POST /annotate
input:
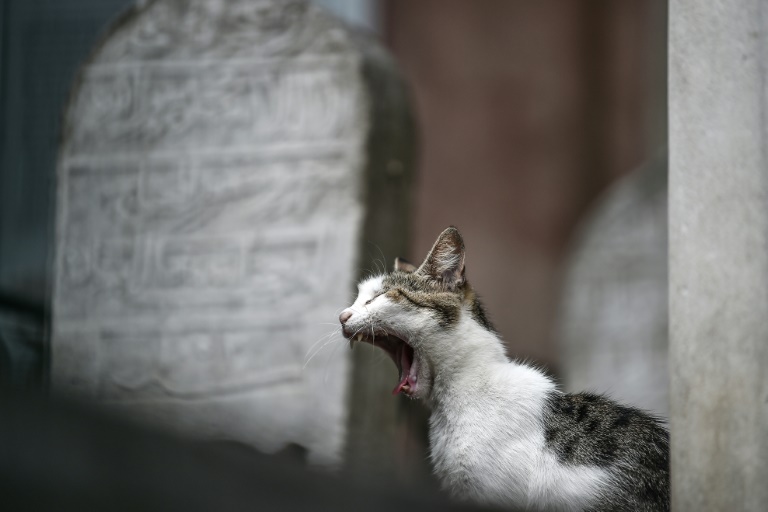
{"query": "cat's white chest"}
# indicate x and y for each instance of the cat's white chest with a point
(487, 445)
(477, 457)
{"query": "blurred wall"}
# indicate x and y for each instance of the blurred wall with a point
(527, 112)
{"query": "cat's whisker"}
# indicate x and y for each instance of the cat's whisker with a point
(383, 259)
(319, 349)
(373, 336)
(328, 362)
(332, 340)
(376, 262)
(322, 338)
(325, 340)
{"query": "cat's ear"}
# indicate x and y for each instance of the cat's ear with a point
(445, 262)
(404, 265)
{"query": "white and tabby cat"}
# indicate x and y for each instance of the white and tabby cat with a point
(500, 431)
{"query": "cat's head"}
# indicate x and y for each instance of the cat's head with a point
(412, 312)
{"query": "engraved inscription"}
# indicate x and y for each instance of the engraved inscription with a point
(197, 363)
(180, 107)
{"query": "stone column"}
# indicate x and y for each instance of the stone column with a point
(718, 76)
(216, 167)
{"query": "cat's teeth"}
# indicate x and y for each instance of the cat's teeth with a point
(360, 337)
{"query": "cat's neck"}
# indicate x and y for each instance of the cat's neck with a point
(470, 352)
(476, 367)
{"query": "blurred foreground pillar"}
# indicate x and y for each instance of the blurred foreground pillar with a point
(719, 254)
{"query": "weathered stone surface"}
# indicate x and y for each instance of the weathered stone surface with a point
(719, 254)
(210, 212)
(613, 322)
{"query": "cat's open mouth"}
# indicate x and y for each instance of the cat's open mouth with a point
(401, 353)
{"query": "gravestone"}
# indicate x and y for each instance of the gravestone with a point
(216, 164)
(613, 320)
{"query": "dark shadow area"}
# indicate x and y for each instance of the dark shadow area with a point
(63, 455)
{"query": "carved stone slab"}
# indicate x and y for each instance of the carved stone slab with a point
(209, 219)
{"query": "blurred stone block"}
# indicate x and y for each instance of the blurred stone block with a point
(613, 320)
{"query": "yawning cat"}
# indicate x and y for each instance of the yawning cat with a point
(500, 432)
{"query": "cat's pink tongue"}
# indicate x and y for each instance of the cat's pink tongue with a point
(407, 379)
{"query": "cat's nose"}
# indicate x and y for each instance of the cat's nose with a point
(344, 316)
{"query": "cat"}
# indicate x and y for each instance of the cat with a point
(500, 432)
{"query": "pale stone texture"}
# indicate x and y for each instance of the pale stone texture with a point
(613, 320)
(211, 188)
(719, 254)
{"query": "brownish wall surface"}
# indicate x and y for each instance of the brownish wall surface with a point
(527, 111)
